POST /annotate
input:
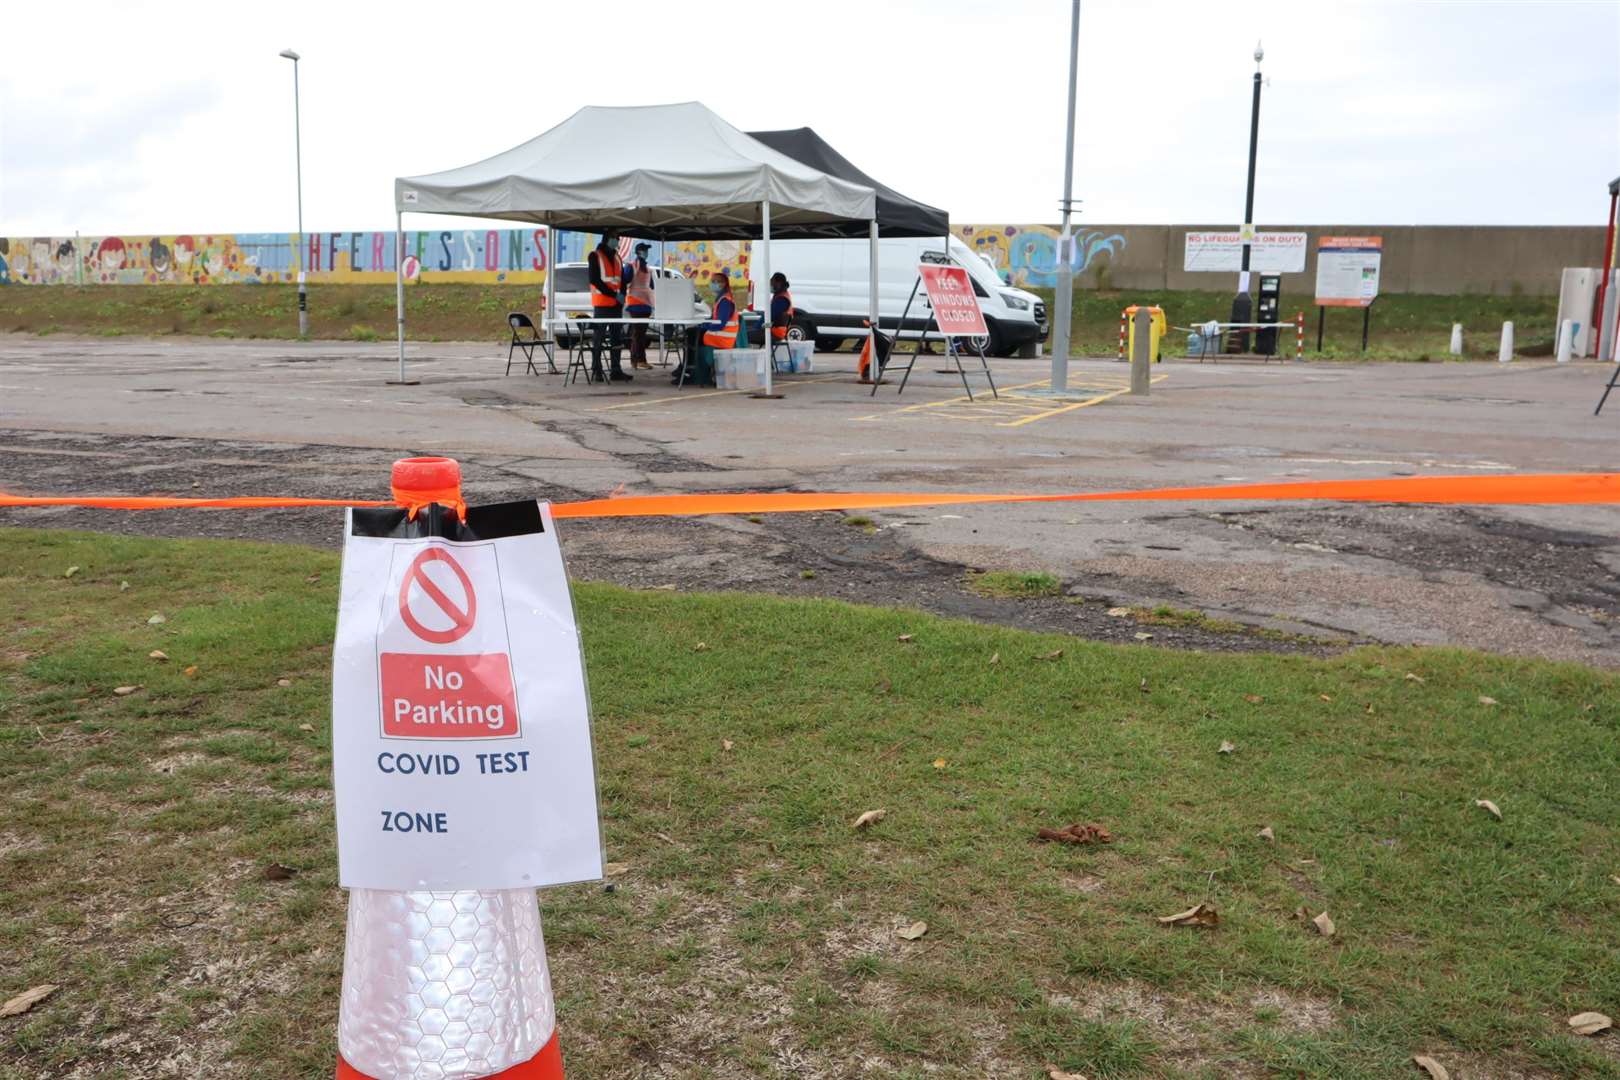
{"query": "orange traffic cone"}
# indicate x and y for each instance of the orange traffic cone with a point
(866, 356)
(445, 985)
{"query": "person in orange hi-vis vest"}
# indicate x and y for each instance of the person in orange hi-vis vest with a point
(638, 303)
(720, 332)
(607, 302)
(781, 309)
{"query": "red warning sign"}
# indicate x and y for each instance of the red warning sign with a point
(956, 309)
(444, 696)
(453, 619)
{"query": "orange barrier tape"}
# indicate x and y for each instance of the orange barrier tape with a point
(139, 502)
(1548, 489)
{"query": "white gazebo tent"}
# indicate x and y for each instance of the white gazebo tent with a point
(665, 172)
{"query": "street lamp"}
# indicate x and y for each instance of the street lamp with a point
(1242, 306)
(298, 250)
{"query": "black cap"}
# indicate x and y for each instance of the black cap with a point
(644, 246)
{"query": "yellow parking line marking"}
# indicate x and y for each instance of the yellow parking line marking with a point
(1098, 400)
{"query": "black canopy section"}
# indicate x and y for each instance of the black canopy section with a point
(896, 214)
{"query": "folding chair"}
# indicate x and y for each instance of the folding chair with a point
(519, 321)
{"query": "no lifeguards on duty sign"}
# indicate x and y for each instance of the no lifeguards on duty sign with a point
(461, 737)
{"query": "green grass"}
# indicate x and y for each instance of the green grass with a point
(1404, 326)
(1014, 584)
(753, 933)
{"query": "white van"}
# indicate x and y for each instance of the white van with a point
(828, 279)
(574, 296)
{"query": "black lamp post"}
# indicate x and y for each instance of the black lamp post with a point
(1242, 305)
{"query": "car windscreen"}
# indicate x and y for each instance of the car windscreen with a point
(573, 279)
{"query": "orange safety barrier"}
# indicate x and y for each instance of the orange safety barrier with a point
(1535, 489)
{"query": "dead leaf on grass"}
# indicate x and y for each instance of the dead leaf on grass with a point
(123, 586)
(615, 869)
(1055, 654)
(1414, 678)
(27, 999)
(1198, 915)
(71, 571)
(283, 682)
(726, 744)
(1325, 697)
(1615, 878)
(156, 620)
(1055, 1073)
(995, 658)
(1435, 1070)
(1088, 833)
(1144, 687)
(1483, 700)
(1324, 925)
(1253, 699)
(157, 654)
(702, 646)
(871, 817)
(1489, 807)
(1119, 612)
(1143, 635)
(125, 691)
(276, 872)
(1266, 834)
(190, 671)
(904, 638)
(306, 727)
(912, 932)
(940, 763)
(1226, 747)
(312, 579)
(1589, 1023)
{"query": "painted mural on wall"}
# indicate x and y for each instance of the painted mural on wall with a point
(1024, 254)
(469, 255)
(1027, 254)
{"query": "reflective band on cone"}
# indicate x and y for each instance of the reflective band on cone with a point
(546, 1065)
(446, 986)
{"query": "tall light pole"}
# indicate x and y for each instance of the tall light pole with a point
(298, 250)
(1242, 306)
(1065, 260)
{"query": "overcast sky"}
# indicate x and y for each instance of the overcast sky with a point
(135, 117)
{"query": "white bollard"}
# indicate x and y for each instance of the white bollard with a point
(1507, 343)
(1566, 341)
(1456, 339)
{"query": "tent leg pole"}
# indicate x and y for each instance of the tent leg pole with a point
(872, 300)
(551, 283)
(762, 269)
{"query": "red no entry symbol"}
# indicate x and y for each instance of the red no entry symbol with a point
(461, 619)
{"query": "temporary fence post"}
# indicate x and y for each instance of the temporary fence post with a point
(1299, 335)
(1506, 353)
(1141, 350)
(1122, 334)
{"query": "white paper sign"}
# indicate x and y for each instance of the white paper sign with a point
(461, 737)
(1269, 253)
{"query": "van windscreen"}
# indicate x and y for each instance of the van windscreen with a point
(573, 279)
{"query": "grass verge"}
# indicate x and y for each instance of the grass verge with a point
(1404, 326)
(754, 933)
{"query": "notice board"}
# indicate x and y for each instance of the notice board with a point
(1347, 269)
